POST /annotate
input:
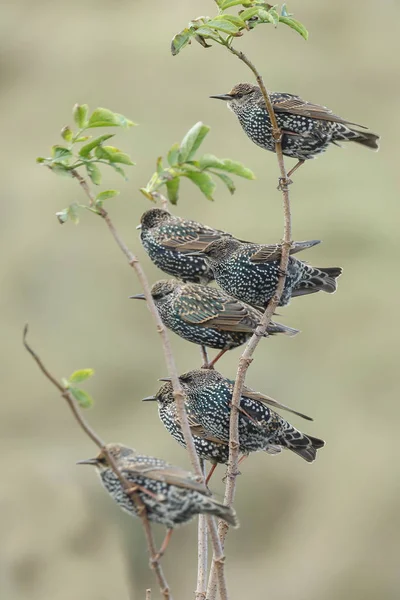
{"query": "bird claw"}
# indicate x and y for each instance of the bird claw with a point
(284, 183)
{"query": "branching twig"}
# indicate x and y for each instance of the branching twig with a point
(247, 356)
(129, 489)
(172, 371)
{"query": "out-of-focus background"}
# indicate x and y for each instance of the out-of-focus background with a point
(323, 531)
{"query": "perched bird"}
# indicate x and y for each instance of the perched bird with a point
(168, 240)
(207, 316)
(307, 129)
(250, 272)
(171, 495)
(208, 405)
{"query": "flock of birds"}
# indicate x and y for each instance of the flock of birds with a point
(223, 318)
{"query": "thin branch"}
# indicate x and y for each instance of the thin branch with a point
(162, 199)
(129, 489)
(172, 371)
(202, 554)
(218, 564)
(148, 594)
(247, 356)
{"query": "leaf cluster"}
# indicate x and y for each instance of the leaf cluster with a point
(82, 397)
(182, 163)
(222, 28)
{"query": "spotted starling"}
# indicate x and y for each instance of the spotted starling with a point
(167, 240)
(250, 272)
(207, 316)
(171, 495)
(208, 405)
(307, 129)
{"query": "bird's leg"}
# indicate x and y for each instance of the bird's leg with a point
(164, 546)
(210, 472)
(204, 355)
(216, 359)
(242, 458)
(240, 409)
(296, 166)
(142, 489)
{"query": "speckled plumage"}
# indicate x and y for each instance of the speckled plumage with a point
(307, 128)
(168, 239)
(208, 316)
(174, 496)
(208, 405)
(250, 272)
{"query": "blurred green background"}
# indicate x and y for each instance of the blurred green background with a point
(325, 531)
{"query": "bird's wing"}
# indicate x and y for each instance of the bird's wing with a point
(168, 474)
(192, 240)
(267, 253)
(218, 311)
(249, 393)
(287, 103)
(273, 252)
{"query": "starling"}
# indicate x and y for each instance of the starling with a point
(307, 129)
(171, 495)
(167, 240)
(208, 405)
(207, 316)
(250, 272)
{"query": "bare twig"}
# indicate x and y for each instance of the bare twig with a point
(171, 367)
(202, 555)
(162, 199)
(129, 489)
(247, 356)
(148, 594)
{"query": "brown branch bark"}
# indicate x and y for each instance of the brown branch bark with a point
(202, 554)
(247, 356)
(65, 393)
(172, 371)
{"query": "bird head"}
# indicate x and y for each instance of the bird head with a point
(220, 249)
(165, 394)
(117, 451)
(152, 218)
(240, 94)
(160, 290)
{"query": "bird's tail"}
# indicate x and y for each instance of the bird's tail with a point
(274, 328)
(316, 280)
(220, 510)
(365, 138)
(301, 444)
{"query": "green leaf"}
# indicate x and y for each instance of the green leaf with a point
(41, 159)
(112, 154)
(106, 195)
(60, 153)
(248, 13)
(83, 138)
(267, 16)
(119, 170)
(66, 133)
(192, 141)
(159, 165)
(73, 213)
(146, 193)
(94, 173)
(87, 148)
(173, 190)
(296, 25)
(102, 117)
(225, 164)
(83, 398)
(203, 181)
(224, 4)
(81, 375)
(218, 24)
(237, 21)
(227, 181)
(173, 154)
(80, 112)
(180, 40)
(63, 215)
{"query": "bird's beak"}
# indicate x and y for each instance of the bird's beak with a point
(137, 297)
(139, 226)
(226, 97)
(149, 399)
(196, 253)
(88, 461)
(164, 379)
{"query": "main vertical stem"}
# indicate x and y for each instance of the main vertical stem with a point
(247, 356)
